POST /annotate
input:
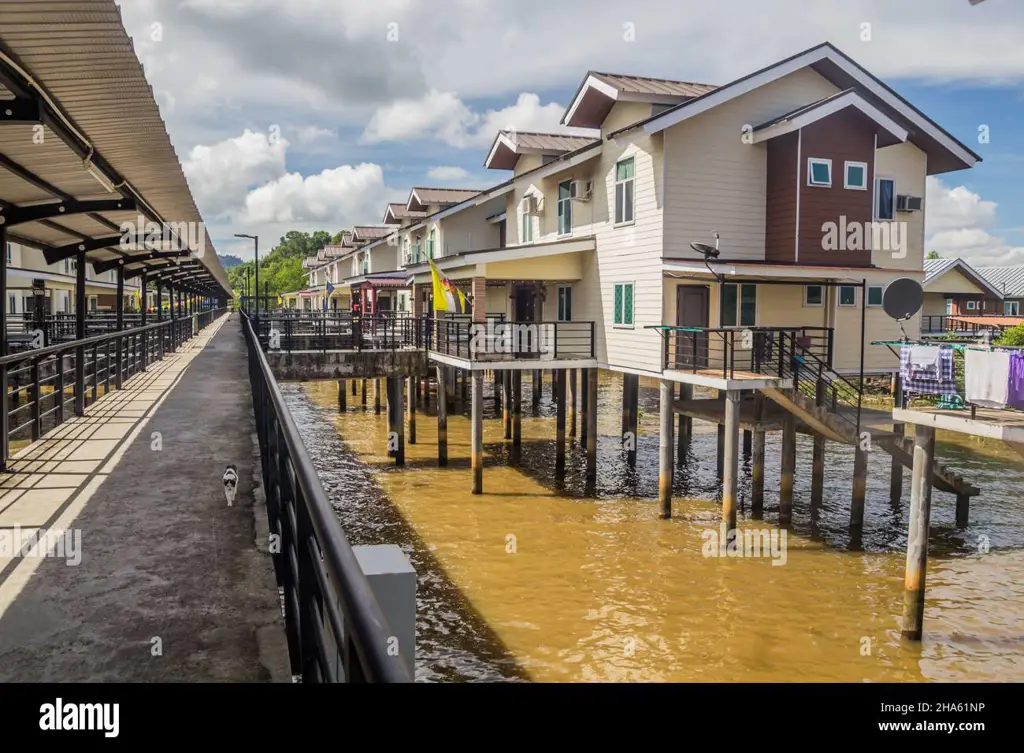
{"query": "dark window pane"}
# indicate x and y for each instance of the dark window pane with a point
(728, 305)
(875, 296)
(847, 295)
(813, 295)
(748, 306)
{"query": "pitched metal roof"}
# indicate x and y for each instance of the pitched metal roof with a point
(508, 145)
(70, 65)
(935, 268)
(440, 196)
(371, 232)
(647, 85)
(398, 212)
(1008, 280)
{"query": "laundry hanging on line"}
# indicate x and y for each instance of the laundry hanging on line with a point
(923, 380)
(987, 378)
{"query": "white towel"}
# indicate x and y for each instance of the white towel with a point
(925, 358)
(987, 378)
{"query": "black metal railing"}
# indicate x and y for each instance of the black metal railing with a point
(335, 627)
(289, 330)
(728, 351)
(938, 324)
(496, 340)
(42, 386)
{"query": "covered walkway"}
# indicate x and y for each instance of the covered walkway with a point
(150, 574)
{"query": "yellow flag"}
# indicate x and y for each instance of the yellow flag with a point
(447, 297)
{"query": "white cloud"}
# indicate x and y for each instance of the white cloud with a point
(956, 222)
(221, 174)
(312, 133)
(445, 173)
(443, 116)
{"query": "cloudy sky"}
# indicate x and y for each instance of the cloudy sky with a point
(308, 114)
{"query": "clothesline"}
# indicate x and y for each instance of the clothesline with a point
(959, 347)
(993, 378)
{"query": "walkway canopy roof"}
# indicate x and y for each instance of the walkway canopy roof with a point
(86, 163)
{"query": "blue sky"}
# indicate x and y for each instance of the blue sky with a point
(313, 114)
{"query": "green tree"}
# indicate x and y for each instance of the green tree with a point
(1014, 336)
(933, 255)
(281, 269)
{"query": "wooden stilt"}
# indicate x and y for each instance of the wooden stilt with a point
(632, 418)
(748, 440)
(788, 470)
(442, 421)
(721, 451)
(517, 411)
(591, 442)
(818, 470)
(389, 400)
(342, 406)
(685, 423)
(465, 385)
(363, 401)
(559, 393)
(665, 460)
(477, 433)
(572, 403)
(538, 387)
(412, 410)
(507, 383)
(396, 390)
(860, 484)
(497, 389)
(730, 476)
(917, 537)
(896, 468)
(353, 388)
(757, 461)
(376, 397)
(584, 399)
(963, 510)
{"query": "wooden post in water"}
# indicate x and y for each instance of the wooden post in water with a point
(632, 418)
(917, 536)
(477, 433)
(788, 470)
(559, 390)
(757, 460)
(665, 460)
(818, 456)
(584, 399)
(442, 421)
(353, 388)
(685, 424)
(412, 409)
(342, 406)
(860, 484)
(538, 387)
(721, 450)
(506, 379)
(399, 421)
(896, 469)
(363, 401)
(730, 477)
(963, 510)
(376, 397)
(572, 403)
(591, 428)
(517, 413)
(465, 385)
(748, 440)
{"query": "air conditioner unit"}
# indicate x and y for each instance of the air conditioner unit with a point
(529, 205)
(579, 190)
(908, 203)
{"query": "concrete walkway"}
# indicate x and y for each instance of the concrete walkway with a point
(150, 575)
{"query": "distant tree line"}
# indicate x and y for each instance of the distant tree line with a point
(281, 268)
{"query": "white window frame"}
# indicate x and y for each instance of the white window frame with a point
(525, 228)
(878, 194)
(622, 324)
(1014, 307)
(814, 305)
(972, 305)
(616, 222)
(564, 205)
(867, 301)
(739, 305)
(846, 175)
(811, 161)
(568, 296)
(839, 296)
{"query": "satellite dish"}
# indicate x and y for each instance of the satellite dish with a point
(902, 298)
(706, 250)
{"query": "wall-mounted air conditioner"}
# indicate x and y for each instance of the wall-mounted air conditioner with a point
(530, 205)
(579, 190)
(908, 203)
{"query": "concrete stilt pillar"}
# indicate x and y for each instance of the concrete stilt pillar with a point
(411, 381)
(860, 483)
(730, 477)
(538, 387)
(584, 398)
(376, 397)
(757, 461)
(917, 537)
(517, 411)
(896, 468)
(342, 400)
(591, 443)
(665, 460)
(363, 401)
(507, 383)
(442, 421)
(721, 451)
(477, 433)
(572, 403)
(788, 470)
(963, 510)
(559, 393)
(631, 417)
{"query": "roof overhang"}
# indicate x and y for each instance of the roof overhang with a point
(503, 155)
(827, 108)
(472, 262)
(967, 271)
(696, 269)
(595, 98)
(945, 153)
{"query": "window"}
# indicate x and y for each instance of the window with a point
(885, 199)
(564, 303)
(972, 305)
(949, 305)
(92, 303)
(819, 172)
(739, 307)
(856, 175)
(875, 295)
(1011, 308)
(564, 208)
(814, 295)
(12, 304)
(526, 231)
(847, 295)
(624, 179)
(9, 254)
(623, 316)
(546, 158)
(431, 239)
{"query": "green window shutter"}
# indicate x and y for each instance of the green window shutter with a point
(627, 304)
(618, 305)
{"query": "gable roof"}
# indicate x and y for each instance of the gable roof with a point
(1008, 280)
(420, 198)
(370, 232)
(396, 212)
(825, 107)
(936, 268)
(945, 153)
(598, 92)
(509, 145)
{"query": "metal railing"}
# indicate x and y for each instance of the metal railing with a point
(290, 330)
(497, 340)
(335, 627)
(938, 324)
(730, 350)
(39, 383)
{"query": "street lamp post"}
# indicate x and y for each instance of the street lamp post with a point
(256, 239)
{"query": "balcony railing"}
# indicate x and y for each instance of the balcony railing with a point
(727, 352)
(940, 324)
(498, 340)
(292, 329)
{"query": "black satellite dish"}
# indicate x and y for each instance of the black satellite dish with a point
(902, 298)
(705, 249)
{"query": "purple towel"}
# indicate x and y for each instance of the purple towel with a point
(1015, 395)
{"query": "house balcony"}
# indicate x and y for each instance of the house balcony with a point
(501, 344)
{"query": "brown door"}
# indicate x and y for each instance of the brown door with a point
(524, 303)
(691, 348)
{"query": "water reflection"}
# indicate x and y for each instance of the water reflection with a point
(533, 580)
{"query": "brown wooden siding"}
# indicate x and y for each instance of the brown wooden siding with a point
(847, 135)
(780, 201)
